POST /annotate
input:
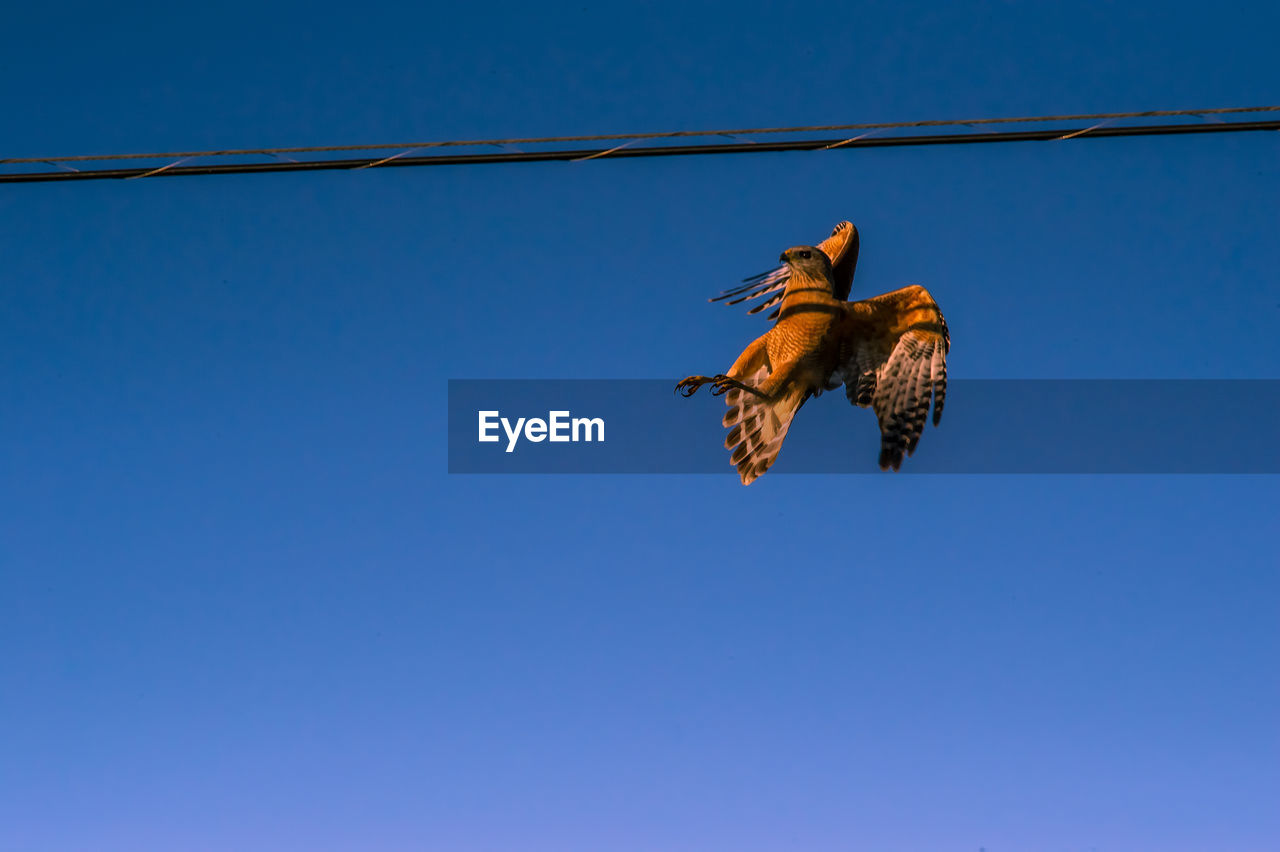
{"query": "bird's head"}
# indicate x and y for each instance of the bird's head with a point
(809, 261)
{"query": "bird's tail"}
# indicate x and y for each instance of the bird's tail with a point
(757, 427)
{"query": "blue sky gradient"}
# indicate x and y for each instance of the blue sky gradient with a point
(244, 606)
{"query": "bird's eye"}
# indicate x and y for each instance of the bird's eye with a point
(804, 254)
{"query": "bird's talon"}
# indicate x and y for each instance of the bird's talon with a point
(687, 387)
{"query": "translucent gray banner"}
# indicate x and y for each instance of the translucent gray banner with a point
(990, 426)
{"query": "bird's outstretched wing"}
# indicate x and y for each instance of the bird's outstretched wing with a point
(841, 247)
(757, 426)
(893, 351)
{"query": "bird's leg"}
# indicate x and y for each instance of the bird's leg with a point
(719, 385)
(751, 359)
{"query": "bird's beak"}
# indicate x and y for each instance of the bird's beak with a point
(783, 257)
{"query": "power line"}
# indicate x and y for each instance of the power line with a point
(867, 140)
(606, 137)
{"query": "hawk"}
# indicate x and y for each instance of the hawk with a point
(842, 249)
(889, 351)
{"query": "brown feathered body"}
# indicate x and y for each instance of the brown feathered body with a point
(888, 351)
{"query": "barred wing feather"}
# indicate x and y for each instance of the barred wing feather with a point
(894, 353)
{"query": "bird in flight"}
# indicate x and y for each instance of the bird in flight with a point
(889, 351)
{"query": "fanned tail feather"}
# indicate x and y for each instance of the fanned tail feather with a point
(771, 284)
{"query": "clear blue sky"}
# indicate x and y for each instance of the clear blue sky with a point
(243, 606)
